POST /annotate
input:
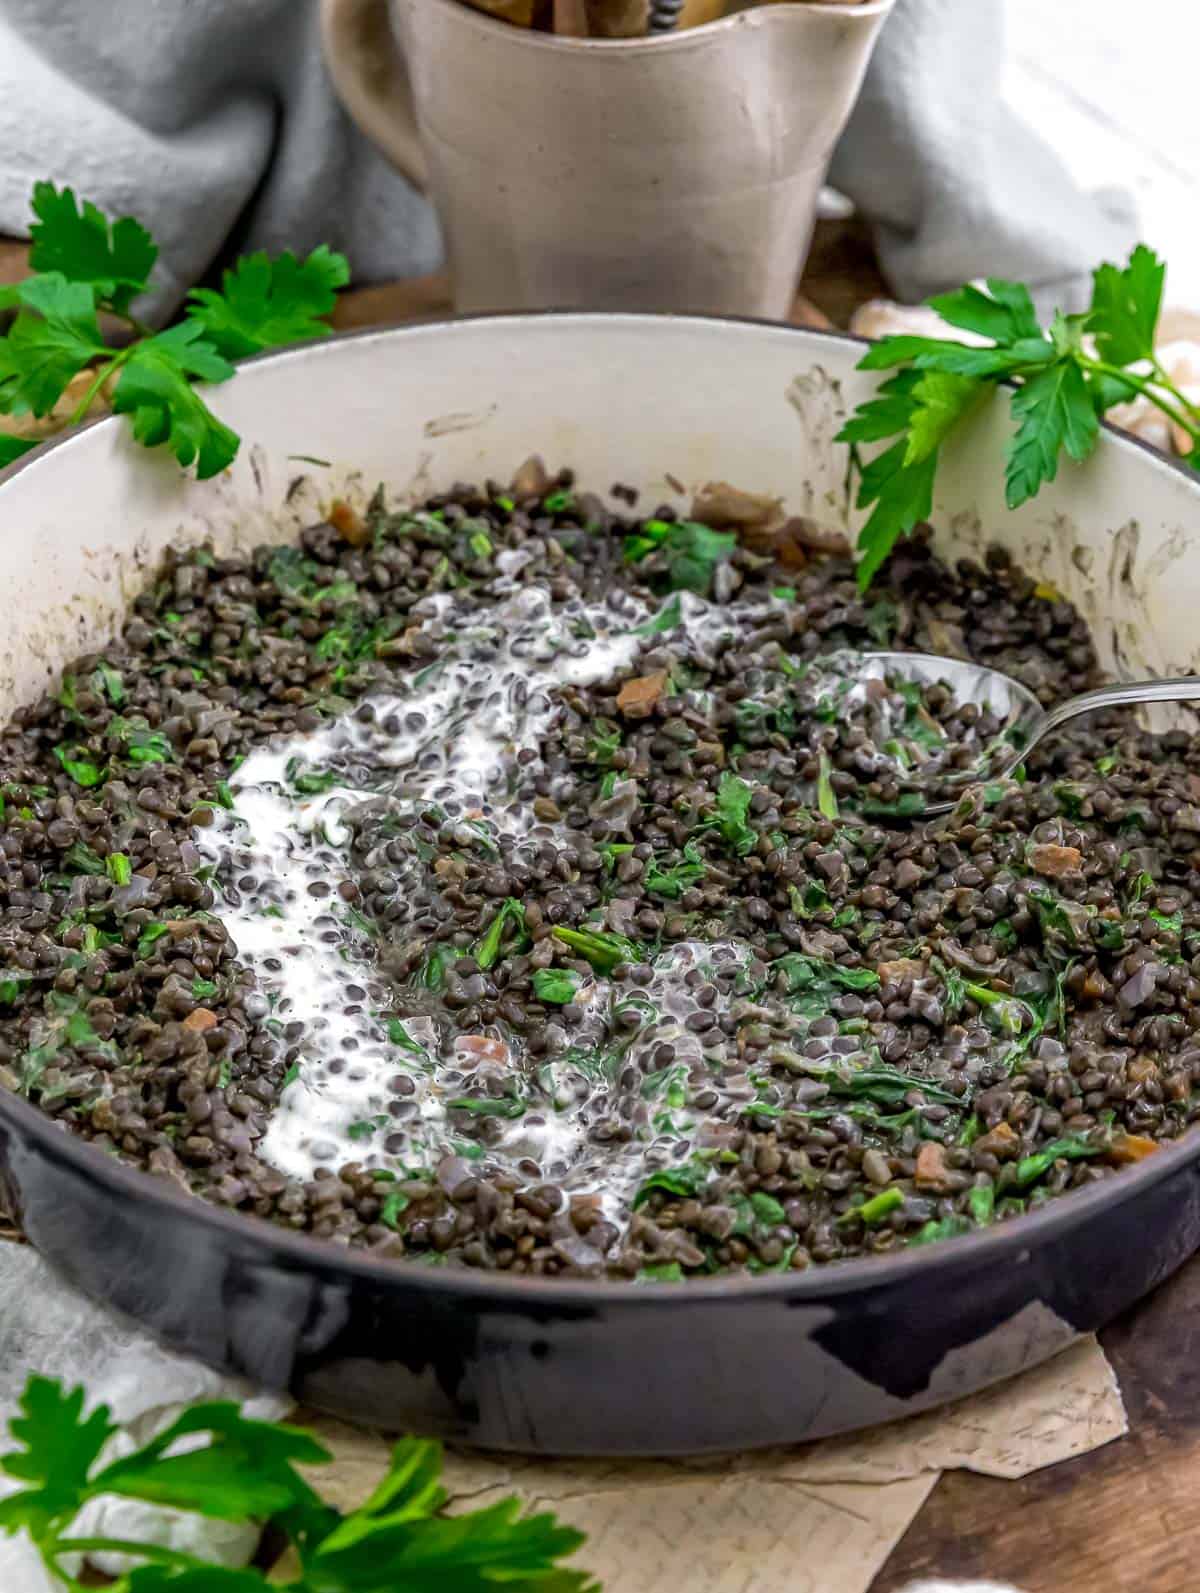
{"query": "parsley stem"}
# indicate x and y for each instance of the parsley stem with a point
(155, 1552)
(1149, 388)
(1163, 377)
(102, 375)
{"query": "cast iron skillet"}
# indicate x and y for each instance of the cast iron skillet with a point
(539, 1365)
(573, 1368)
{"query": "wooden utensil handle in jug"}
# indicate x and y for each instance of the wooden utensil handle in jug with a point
(369, 74)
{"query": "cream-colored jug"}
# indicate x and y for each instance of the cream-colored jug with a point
(679, 172)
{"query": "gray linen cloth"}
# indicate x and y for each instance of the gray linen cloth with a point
(215, 122)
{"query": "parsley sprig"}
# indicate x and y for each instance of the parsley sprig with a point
(397, 1541)
(85, 265)
(1062, 378)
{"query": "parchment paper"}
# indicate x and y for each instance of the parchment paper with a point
(818, 1519)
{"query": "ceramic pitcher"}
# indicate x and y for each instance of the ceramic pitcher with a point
(679, 172)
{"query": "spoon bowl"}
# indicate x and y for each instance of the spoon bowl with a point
(1024, 722)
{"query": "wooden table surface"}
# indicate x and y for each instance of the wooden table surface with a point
(1126, 1518)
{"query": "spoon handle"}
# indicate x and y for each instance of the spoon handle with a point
(1180, 688)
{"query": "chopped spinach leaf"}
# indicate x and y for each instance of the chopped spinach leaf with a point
(487, 951)
(603, 950)
(556, 985)
(734, 797)
(672, 881)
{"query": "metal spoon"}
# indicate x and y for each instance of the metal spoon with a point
(1023, 720)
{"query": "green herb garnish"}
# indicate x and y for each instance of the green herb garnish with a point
(767, 1209)
(814, 898)
(946, 1228)
(827, 800)
(1061, 922)
(887, 1086)
(734, 797)
(668, 618)
(1008, 1013)
(310, 782)
(556, 985)
(688, 552)
(80, 859)
(141, 744)
(487, 950)
(120, 869)
(875, 1209)
(399, 1538)
(605, 740)
(982, 1203)
(681, 1183)
(394, 1203)
(433, 971)
(366, 1127)
(64, 1021)
(110, 683)
(399, 1035)
(1032, 1168)
(489, 1105)
(661, 1272)
(81, 769)
(970, 1131)
(671, 882)
(149, 937)
(83, 264)
(1058, 389)
(603, 950)
(802, 975)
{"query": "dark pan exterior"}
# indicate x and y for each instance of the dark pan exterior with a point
(585, 1369)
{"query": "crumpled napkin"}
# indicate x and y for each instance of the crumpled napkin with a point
(45, 1326)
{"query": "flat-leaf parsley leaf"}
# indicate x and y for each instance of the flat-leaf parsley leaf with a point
(1062, 379)
(400, 1537)
(84, 264)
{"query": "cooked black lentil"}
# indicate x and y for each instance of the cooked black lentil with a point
(877, 1034)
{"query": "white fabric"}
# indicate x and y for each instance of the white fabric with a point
(959, 1587)
(215, 122)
